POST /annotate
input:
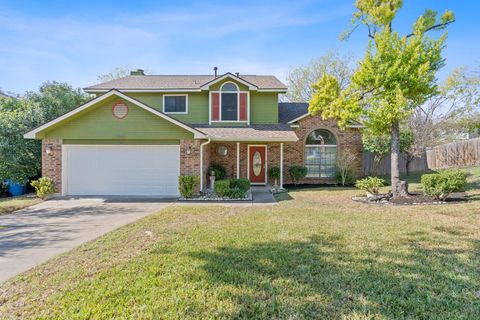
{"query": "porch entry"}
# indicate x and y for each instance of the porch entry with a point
(257, 164)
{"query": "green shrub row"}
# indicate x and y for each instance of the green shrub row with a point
(232, 188)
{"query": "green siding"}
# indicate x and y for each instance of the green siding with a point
(197, 105)
(97, 122)
(121, 142)
(263, 107)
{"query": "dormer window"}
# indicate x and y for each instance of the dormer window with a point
(229, 101)
(229, 104)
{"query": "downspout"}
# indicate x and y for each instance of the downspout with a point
(201, 162)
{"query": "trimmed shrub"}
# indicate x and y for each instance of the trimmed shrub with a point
(243, 184)
(440, 185)
(370, 184)
(219, 170)
(274, 173)
(43, 187)
(238, 188)
(297, 173)
(236, 193)
(187, 185)
(222, 187)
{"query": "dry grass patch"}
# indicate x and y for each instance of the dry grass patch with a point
(9, 205)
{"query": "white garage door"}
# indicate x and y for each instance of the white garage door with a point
(121, 170)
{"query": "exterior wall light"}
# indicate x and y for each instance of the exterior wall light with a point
(48, 150)
(189, 150)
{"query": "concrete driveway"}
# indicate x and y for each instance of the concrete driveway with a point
(33, 235)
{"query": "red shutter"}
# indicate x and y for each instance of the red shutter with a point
(243, 106)
(215, 107)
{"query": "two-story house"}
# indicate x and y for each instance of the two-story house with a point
(142, 132)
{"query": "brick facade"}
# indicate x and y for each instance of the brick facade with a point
(190, 159)
(52, 162)
(348, 140)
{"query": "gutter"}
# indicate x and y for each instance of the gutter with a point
(201, 162)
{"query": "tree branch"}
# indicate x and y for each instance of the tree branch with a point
(435, 26)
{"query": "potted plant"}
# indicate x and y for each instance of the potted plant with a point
(274, 173)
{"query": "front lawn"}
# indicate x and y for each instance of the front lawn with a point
(8, 205)
(316, 255)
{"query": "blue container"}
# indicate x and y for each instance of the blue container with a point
(16, 189)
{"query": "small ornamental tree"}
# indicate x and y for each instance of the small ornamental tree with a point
(396, 75)
(345, 161)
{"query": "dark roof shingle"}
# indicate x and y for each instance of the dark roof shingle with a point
(287, 111)
(259, 132)
(183, 82)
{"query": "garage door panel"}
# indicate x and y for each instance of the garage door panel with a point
(122, 170)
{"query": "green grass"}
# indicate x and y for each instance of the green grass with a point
(8, 205)
(315, 255)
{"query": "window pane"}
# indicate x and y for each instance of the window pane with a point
(229, 106)
(229, 87)
(313, 171)
(320, 161)
(312, 155)
(321, 136)
(175, 104)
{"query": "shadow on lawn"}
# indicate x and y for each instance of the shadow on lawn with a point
(319, 279)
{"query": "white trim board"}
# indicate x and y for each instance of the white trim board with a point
(197, 134)
(207, 85)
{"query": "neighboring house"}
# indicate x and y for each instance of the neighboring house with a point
(142, 132)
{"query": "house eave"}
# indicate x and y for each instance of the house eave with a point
(246, 139)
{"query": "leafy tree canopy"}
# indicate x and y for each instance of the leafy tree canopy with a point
(396, 75)
(20, 158)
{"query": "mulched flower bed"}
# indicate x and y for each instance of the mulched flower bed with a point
(414, 198)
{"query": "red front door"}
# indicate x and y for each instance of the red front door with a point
(256, 163)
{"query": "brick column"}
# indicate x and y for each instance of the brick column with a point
(190, 159)
(52, 162)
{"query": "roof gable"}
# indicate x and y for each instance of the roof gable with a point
(32, 134)
(227, 76)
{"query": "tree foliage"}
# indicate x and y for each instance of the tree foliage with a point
(396, 75)
(301, 79)
(20, 158)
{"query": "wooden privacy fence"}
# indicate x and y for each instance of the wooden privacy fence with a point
(455, 154)
(383, 169)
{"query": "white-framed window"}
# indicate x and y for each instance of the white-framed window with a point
(229, 102)
(175, 103)
(320, 154)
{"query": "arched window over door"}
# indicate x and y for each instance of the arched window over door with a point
(320, 154)
(229, 102)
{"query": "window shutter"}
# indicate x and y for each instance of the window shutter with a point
(215, 112)
(243, 106)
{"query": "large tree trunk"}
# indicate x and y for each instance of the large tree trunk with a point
(399, 188)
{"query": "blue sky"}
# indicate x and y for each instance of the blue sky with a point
(74, 41)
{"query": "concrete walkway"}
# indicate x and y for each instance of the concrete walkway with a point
(33, 235)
